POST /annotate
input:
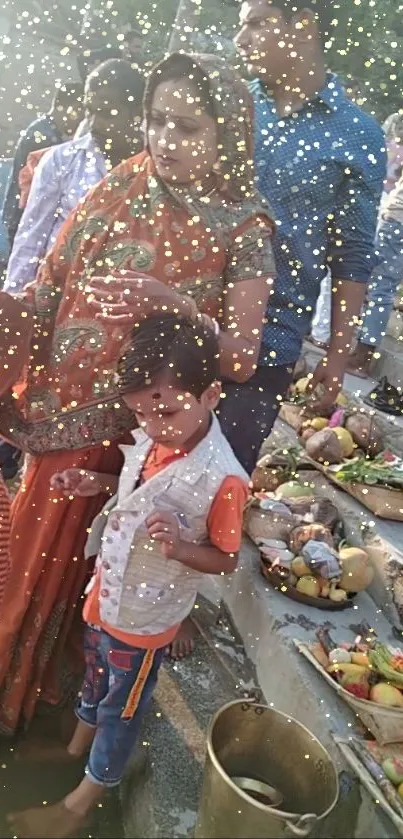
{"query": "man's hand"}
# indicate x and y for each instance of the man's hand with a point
(164, 528)
(327, 380)
(77, 482)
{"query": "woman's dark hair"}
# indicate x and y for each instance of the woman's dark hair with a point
(167, 344)
(174, 69)
(119, 76)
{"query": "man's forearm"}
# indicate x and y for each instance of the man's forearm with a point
(347, 299)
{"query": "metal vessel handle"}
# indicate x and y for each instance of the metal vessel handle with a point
(254, 695)
(303, 826)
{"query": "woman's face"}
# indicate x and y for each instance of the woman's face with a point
(182, 137)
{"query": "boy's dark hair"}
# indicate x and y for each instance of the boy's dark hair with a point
(325, 11)
(68, 94)
(168, 344)
(125, 81)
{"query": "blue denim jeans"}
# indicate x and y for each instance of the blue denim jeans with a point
(383, 283)
(118, 684)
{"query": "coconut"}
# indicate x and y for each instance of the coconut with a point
(357, 572)
(366, 433)
(325, 447)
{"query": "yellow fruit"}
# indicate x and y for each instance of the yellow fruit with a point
(301, 385)
(319, 423)
(324, 588)
(360, 658)
(342, 401)
(299, 568)
(357, 572)
(400, 790)
(309, 586)
(385, 694)
(338, 595)
(348, 667)
(345, 439)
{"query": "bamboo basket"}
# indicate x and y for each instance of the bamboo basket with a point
(385, 723)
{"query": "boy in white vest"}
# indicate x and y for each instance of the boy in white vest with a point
(176, 515)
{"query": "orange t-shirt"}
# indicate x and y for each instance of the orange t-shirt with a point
(224, 525)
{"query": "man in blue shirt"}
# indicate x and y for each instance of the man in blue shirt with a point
(320, 162)
(57, 125)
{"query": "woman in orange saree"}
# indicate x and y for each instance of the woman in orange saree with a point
(203, 238)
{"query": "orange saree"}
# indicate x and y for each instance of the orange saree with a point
(68, 412)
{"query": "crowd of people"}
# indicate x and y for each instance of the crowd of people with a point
(165, 266)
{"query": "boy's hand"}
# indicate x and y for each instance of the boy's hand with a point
(76, 482)
(164, 528)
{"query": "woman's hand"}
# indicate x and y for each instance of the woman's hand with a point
(124, 299)
(76, 482)
(84, 484)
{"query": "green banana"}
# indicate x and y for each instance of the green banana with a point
(380, 659)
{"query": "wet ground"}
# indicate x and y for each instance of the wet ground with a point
(161, 792)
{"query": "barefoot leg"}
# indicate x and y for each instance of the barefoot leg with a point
(81, 739)
(59, 820)
(40, 750)
(184, 641)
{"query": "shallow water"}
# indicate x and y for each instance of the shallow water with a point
(26, 783)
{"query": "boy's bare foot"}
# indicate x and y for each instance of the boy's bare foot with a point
(184, 641)
(54, 822)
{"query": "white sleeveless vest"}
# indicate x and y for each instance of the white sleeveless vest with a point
(141, 591)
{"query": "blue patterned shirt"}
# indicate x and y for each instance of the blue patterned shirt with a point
(322, 170)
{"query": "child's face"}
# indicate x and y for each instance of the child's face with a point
(171, 416)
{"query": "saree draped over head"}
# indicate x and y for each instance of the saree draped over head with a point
(132, 221)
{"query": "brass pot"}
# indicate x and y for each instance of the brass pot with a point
(267, 750)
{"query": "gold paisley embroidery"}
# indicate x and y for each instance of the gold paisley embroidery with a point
(135, 256)
(84, 229)
(66, 431)
(88, 335)
(47, 299)
(118, 183)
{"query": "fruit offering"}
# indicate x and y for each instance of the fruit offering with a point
(334, 437)
(368, 670)
(298, 536)
(393, 769)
